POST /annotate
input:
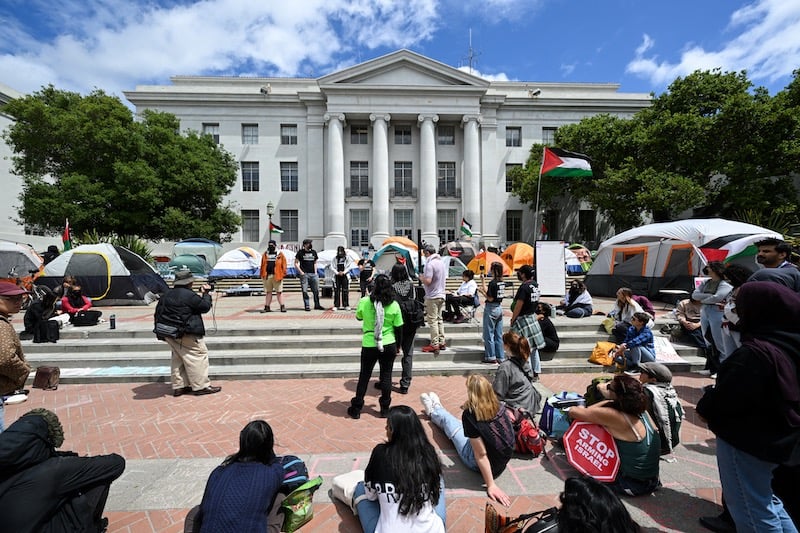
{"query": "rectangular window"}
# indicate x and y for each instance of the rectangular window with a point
(289, 176)
(446, 179)
(250, 230)
(549, 135)
(212, 129)
(404, 222)
(289, 225)
(402, 178)
(509, 181)
(288, 133)
(550, 223)
(249, 133)
(446, 135)
(250, 176)
(513, 136)
(359, 228)
(446, 222)
(513, 225)
(358, 134)
(359, 178)
(402, 135)
(587, 225)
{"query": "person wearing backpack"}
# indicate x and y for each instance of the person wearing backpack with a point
(512, 383)
(413, 317)
(663, 404)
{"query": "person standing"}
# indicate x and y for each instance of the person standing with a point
(404, 292)
(341, 266)
(493, 315)
(434, 278)
(774, 253)
(273, 270)
(179, 322)
(710, 293)
(366, 268)
(14, 370)
(523, 317)
(306, 263)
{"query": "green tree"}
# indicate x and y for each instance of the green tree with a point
(85, 158)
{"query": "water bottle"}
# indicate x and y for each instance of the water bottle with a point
(112, 320)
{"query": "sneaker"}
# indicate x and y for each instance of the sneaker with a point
(283, 309)
(347, 308)
(427, 403)
(334, 308)
(384, 412)
(435, 401)
(402, 390)
(430, 348)
(442, 347)
(489, 361)
(319, 308)
(266, 309)
(308, 309)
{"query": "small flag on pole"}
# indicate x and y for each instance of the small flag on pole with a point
(65, 238)
(561, 163)
(274, 228)
(466, 227)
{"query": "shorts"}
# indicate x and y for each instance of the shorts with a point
(270, 283)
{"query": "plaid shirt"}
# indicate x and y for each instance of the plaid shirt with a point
(528, 327)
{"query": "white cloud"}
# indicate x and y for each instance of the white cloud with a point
(114, 44)
(500, 76)
(766, 44)
(567, 69)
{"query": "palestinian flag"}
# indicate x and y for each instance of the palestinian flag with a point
(466, 227)
(65, 238)
(562, 164)
(273, 228)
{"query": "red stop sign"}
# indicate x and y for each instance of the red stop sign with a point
(592, 451)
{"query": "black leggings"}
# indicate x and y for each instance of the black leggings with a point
(385, 359)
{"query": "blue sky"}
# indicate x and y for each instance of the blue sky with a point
(115, 45)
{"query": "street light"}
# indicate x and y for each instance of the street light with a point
(270, 212)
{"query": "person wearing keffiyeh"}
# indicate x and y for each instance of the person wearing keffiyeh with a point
(754, 408)
(380, 315)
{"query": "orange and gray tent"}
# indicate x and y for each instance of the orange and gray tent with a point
(108, 274)
(19, 261)
(668, 255)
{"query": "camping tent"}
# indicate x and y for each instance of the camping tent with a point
(195, 263)
(668, 255)
(325, 258)
(402, 241)
(386, 256)
(209, 250)
(18, 261)
(518, 254)
(485, 260)
(464, 250)
(242, 262)
(108, 274)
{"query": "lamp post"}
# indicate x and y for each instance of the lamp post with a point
(270, 212)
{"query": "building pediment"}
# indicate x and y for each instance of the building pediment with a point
(402, 69)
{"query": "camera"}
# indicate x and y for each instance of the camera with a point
(213, 285)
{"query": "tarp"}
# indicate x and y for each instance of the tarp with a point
(209, 250)
(668, 255)
(242, 262)
(386, 256)
(108, 274)
(518, 254)
(486, 259)
(19, 261)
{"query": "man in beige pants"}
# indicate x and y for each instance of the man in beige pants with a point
(179, 322)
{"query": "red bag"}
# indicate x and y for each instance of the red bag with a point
(528, 438)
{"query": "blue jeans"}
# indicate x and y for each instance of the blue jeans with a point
(711, 321)
(639, 354)
(454, 431)
(746, 483)
(493, 332)
(306, 281)
(370, 510)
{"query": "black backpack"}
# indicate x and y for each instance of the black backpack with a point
(412, 309)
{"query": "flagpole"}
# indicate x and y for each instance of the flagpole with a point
(538, 191)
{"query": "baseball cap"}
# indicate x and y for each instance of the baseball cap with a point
(10, 289)
(272, 242)
(658, 371)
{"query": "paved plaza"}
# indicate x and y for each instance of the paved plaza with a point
(172, 444)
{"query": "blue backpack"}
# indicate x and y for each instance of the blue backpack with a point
(555, 421)
(295, 473)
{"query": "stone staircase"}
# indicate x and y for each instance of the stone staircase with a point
(294, 350)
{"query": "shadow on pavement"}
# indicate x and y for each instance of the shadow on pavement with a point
(673, 510)
(151, 391)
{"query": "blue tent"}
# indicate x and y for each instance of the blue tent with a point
(386, 256)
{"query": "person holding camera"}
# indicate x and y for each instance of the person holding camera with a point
(179, 322)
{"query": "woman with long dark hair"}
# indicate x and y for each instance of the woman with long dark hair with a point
(578, 302)
(624, 414)
(588, 506)
(622, 312)
(341, 266)
(380, 315)
(240, 492)
(493, 314)
(403, 480)
(404, 290)
(711, 292)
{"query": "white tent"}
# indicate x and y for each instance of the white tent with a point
(668, 255)
(242, 262)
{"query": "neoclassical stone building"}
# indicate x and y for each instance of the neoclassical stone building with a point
(385, 147)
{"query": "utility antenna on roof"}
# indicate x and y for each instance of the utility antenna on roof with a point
(471, 54)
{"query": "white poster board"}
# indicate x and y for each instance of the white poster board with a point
(551, 274)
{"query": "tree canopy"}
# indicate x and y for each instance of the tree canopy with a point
(85, 158)
(711, 143)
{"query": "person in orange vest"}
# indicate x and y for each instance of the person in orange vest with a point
(273, 270)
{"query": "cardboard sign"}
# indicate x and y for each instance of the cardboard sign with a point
(592, 451)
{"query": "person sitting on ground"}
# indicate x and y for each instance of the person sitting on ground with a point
(551, 340)
(79, 307)
(403, 480)
(622, 312)
(624, 415)
(663, 404)
(483, 438)
(688, 314)
(588, 505)
(463, 297)
(241, 491)
(39, 313)
(638, 344)
(645, 303)
(42, 489)
(512, 383)
(578, 302)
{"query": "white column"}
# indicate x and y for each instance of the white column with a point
(427, 178)
(334, 183)
(471, 185)
(380, 179)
